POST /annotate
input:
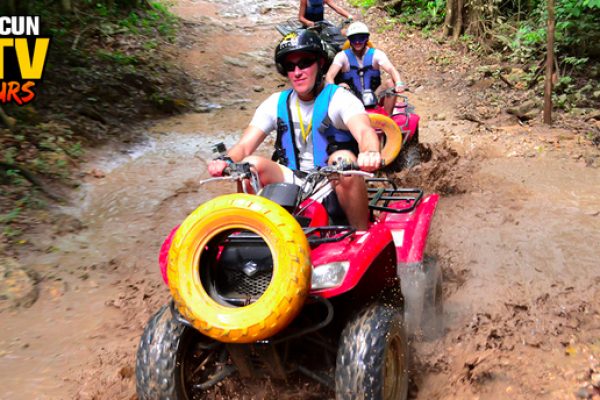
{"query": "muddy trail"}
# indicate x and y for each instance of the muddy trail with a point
(516, 231)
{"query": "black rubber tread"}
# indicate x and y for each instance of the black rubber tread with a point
(360, 367)
(410, 156)
(157, 368)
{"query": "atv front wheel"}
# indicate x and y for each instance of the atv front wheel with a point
(410, 155)
(176, 362)
(372, 361)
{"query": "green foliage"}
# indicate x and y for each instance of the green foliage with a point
(362, 3)
(118, 57)
(157, 19)
(422, 13)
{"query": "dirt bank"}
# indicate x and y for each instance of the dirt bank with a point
(516, 231)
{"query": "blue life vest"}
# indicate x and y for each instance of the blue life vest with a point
(356, 76)
(315, 10)
(326, 138)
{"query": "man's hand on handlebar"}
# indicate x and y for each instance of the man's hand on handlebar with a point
(399, 88)
(369, 160)
(216, 167)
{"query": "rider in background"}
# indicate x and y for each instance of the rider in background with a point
(315, 125)
(360, 57)
(312, 11)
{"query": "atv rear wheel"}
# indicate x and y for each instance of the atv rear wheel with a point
(372, 361)
(176, 362)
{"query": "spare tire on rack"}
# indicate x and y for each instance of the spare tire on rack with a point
(392, 143)
(291, 273)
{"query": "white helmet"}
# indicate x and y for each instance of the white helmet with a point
(356, 28)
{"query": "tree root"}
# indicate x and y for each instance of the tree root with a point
(31, 177)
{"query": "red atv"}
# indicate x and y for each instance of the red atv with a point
(268, 283)
(399, 132)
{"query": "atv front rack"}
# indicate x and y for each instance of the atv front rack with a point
(327, 234)
(380, 197)
(315, 235)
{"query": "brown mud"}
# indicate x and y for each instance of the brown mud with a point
(516, 231)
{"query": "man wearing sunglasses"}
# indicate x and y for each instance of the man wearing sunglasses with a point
(312, 11)
(360, 66)
(315, 125)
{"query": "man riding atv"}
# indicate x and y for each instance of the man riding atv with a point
(312, 11)
(315, 124)
(360, 66)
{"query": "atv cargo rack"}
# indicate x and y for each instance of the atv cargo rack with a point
(380, 197)
(327, 234)
(315, 235)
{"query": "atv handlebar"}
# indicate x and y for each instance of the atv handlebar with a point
(319, 25)
(240, 172)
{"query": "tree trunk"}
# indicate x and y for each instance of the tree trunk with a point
(549, 65)
(450, 17)
(458, 25)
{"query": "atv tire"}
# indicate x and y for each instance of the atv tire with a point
(372, 361)
(285, 294)
(168, 353)
(410, 155)
(433, 309)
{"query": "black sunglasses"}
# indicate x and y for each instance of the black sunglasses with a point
(304, 63)
(360, 38)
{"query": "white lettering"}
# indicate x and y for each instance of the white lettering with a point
(19, 26)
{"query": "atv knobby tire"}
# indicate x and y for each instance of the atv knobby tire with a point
(289, 286)
(393, 136)
(372, 360)
(165, 356)
(410, 156)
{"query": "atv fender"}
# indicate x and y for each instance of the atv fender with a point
(410, 233)
(409, 230)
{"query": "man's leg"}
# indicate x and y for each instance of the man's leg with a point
(388, 101)
(352, 194)
(268, 171)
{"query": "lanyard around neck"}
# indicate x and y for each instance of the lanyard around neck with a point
(306, 132)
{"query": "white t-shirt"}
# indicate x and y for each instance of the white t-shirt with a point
(379, 59)
(342, 107)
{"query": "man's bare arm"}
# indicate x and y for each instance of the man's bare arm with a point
(334, 69)
(338, 9)
(390, 69)
(301, 13)
(248, 143)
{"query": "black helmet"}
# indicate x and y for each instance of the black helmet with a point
(301, 40)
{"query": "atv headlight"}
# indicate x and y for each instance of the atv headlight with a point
(329, 275)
